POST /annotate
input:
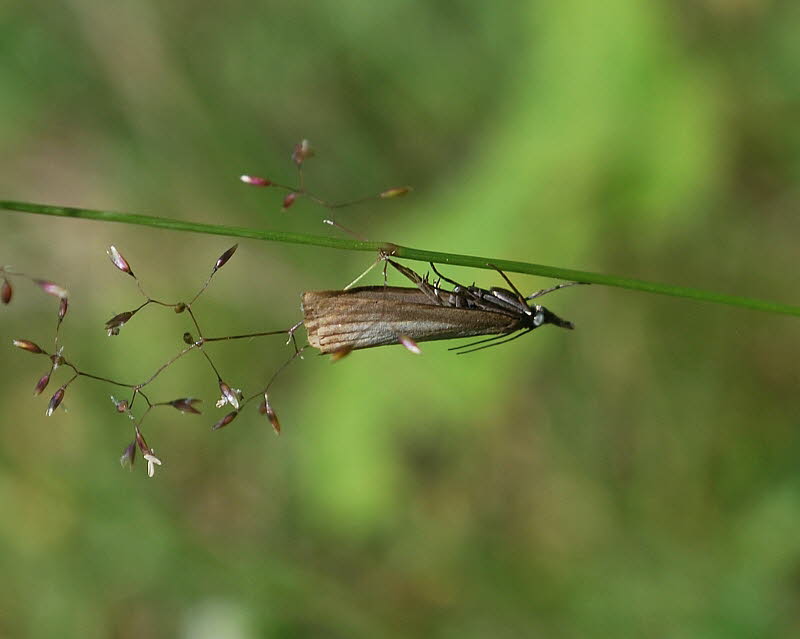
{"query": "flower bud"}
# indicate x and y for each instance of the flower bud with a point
(120, 262)
(55, 400)
(179, 307)
(223, 259)
(140, 442)
(27, 345)
(222, 423)
(118, 321)
(341, 353)
(228, 395)
(6, 291)
(398, 191)
(185, 405)
(187, 338)
(44, 380)
(289, 200)
(62, 308)
(410, 344)
(302, 152)
(266, 409)
(51, 288)
(147, 453)
(120, 404)
(128, 456)
(254, 180)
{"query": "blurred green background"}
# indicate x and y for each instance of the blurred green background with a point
(638, 477)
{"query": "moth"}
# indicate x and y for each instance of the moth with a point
(368, 316)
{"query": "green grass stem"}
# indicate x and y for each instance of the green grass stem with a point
(404, 252)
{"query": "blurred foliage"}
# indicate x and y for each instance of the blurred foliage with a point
(638, 477)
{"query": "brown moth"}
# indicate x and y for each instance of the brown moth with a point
(369, 316)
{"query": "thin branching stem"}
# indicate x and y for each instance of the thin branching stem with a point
(245, 336)
(406, 253)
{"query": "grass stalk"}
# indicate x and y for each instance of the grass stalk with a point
(405, 252)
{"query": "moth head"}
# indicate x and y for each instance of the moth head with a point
(540, 315)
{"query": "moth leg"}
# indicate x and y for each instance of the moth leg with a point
(407, 272)
(464, 290)
(421, 283)
(446, 279)
(545, 291)
(510, 283)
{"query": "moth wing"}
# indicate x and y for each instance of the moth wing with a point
(378, 316)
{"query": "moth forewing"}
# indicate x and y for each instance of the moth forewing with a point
(366, 317)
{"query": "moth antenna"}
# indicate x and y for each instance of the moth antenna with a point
(497, 343)
(480, 341)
